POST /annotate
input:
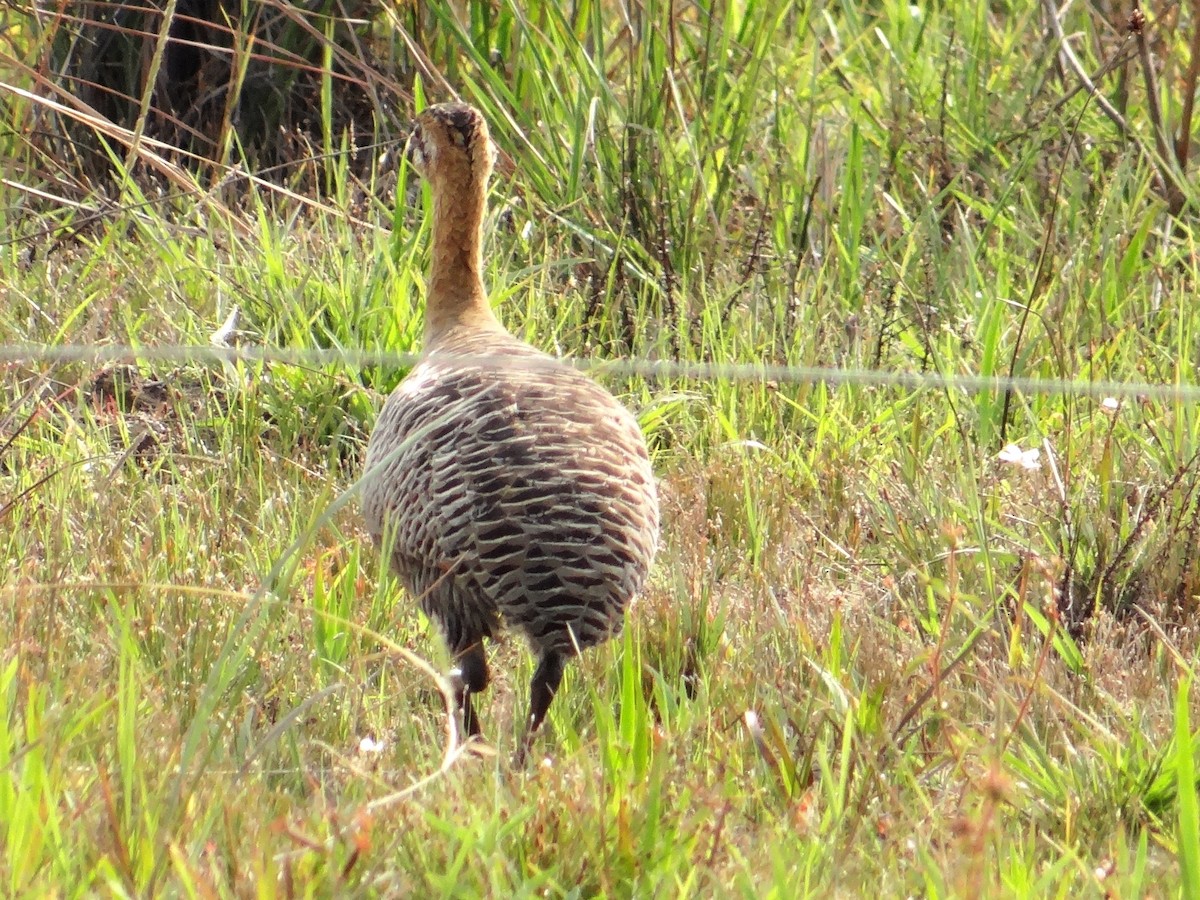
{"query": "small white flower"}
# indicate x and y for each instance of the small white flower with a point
(1026, 459)
(370, 745)
(1110, 405)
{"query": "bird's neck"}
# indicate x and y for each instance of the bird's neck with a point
(456, 300)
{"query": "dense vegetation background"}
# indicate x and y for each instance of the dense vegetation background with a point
(912, 631)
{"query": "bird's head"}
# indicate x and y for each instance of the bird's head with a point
(450, 143)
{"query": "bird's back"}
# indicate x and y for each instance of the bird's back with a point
(512, 486)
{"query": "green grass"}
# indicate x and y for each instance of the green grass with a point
(873, 657)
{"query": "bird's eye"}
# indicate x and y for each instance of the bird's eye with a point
(418, 149)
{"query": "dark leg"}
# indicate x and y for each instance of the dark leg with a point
(546, 680)
(470, 676)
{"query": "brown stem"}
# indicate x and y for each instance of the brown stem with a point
(1183, 140)
(1168, 172)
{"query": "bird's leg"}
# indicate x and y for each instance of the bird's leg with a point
(546, 679)
(469, 677)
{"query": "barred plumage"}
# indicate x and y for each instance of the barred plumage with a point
(505, 486)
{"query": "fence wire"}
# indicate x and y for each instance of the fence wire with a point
(650, 369)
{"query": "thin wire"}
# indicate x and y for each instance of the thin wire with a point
(18, 354)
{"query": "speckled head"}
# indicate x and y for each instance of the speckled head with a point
(451, 141)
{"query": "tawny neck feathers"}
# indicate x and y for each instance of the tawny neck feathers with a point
(451, 147)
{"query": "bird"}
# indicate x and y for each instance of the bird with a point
(506, 488)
